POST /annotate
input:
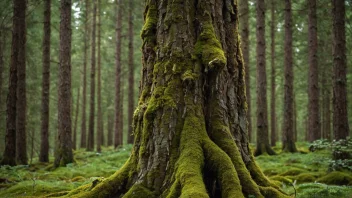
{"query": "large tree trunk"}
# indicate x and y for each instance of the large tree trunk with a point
(263, 145)
(44, 145)
(273, 76)
(90, 146)
(288, 143)
(17, 54)
(84, 92)
(63, 151)
(313, 77)
(118, 101)
(244, 32)
(21, 119)
(340, 120)
(131, 73)
(100, 115)
(190, 124)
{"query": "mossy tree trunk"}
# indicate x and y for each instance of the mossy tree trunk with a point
(63, 151)
(244, 32)
(263, 145)
(288, 143)
(190, 125)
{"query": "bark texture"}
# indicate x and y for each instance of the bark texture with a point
(118, 102)
(244, 32)
(263, 145)
(21, 118)
(63, 152)
(44, 145)
(313, 77)
(100, 114)
(273, 75)
(288, 143)
(190, 124)
(90, 146)
(130, 73)
(340, 119)
(17, 59)
(74, 139)
(84, 91)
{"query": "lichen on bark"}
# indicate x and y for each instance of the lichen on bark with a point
(190, 128)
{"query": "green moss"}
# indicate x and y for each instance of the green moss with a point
(149, 27)
(208, 47)
(78, 178)
(281, 179)
(138, 191)
(305, 178)
(337, 178)
(292, 172)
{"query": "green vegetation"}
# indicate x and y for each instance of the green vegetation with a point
(307, 173)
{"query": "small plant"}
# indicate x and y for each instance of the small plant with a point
(320, 144)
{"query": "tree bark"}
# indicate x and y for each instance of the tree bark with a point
(84, 92)
(273, 75)
(100, 132)
(263, 145)
(244, 32)
(63, 152)
(44, 145)
(74, 143)
(110, 120)
(21, 118)
(313, 77)
(118, 102)
(17, 54)
(131, 73)
(90, 146)
(190, 124)
(340, 120)
(288, 130)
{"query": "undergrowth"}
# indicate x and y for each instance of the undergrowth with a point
(303, 175)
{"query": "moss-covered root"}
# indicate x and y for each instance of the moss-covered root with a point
(113, 185)
(220, 163)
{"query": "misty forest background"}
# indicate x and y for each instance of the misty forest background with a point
(82, 21)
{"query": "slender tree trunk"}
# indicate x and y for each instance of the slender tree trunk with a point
(100, 132)
(74, 143)
(313, 77)
(63, 152)
(294, 118)
(244, 32)
(44, 146)
(263, 145)
(273, 75)
(90, 146)
(110, 130)
(131, 73)
(2, 47)
(190, 124)
(340, 120)
(326, 106)
(118, 102)
(288, 130)
(17, 54)
(84, 93)
(21, 135)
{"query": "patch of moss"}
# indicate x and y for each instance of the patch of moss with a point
(138, 190)
(281, 179)
(336, 178)
(305, 178)
(293, 172)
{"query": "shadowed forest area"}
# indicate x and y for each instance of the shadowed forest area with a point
(181, 98)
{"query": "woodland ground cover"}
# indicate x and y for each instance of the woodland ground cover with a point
(304, 175)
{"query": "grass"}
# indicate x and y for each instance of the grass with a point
(302, 173)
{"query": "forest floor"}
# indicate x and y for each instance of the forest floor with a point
(302, 175)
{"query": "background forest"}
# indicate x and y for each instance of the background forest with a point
(118, 63)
